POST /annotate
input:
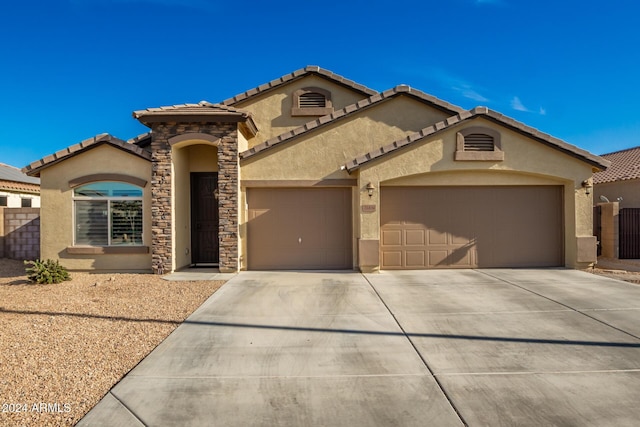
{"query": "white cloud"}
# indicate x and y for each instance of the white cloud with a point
(457, 84)
(468, 92)
(516, 104)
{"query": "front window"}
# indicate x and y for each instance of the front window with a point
(108, 214)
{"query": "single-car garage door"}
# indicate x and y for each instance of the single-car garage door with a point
(299, 228)
(468, 227)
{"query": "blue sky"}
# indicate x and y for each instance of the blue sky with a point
(72, 69)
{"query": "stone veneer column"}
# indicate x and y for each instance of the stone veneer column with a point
(161, 244)
(228, 177)
(228, 187)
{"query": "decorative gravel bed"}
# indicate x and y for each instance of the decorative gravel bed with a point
(63, 346)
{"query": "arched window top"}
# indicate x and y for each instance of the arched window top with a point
(104, 177)
(102, 189)
(478, 143)
(311, 101)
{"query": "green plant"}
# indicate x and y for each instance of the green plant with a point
(46, 272)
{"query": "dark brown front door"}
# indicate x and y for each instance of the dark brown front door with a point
(204, 218)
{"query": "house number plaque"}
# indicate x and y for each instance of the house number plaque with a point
(368, 208)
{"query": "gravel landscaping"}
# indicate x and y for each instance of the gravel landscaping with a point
(63, 346)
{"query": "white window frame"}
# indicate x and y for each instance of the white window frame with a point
(108, 200)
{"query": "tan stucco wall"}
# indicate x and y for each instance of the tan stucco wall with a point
(526, 162)
(57, 208)
(629, 191)
(272, 111)
(321, 153)
(187, 158)
(243, 144)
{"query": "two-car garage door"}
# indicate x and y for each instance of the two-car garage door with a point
(468, 227)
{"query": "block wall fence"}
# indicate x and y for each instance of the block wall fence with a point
(20, 233)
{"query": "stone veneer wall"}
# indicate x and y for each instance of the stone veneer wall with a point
(161, 220)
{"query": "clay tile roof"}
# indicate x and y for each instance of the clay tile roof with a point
(143, 140)
(12, 179)
(351, 109)
(189, 108)
(34, 168)
(202, 111)
(494, 116)
(625, 165)
(310, 69)
(19, 187)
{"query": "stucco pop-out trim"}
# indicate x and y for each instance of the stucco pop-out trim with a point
(107, 177)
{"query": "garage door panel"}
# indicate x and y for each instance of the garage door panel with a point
(437, 237)
(414, 237)
(392, 259)
(468, 227)
(437, 258)
(299, 228)
(392, 237)
(415, 258)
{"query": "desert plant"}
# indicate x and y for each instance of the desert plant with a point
(46, 272)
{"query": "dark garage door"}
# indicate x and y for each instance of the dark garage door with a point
(299, 228)
(468, 227)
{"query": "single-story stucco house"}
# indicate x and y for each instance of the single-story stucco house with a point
(18, 190)
(315, 171)
(621, 181)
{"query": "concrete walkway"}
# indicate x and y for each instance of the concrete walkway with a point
(476, 347)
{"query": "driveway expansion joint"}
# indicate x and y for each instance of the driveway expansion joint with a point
(582, 312)
(129, 410)
(596, 371)
(424, 361)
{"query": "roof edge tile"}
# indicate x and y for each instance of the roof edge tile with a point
(468, 115)
(34, 168)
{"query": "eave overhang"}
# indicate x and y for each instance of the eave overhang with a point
(34, 168)
(203, 112)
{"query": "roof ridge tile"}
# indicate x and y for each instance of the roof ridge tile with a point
(309, 69)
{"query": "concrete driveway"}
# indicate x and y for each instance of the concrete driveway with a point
(419, 348)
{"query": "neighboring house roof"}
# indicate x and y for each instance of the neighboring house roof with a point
(202, 111)
(351, 109)
(491, 115)
(12, 179)
(625, 165)
(298, 74)
(34, 168)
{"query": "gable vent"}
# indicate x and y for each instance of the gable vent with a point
(312, 100)
(478, 142)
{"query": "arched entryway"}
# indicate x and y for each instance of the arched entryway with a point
(195, 193)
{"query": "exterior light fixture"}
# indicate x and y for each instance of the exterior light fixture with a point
(587, 184)
(370, 188)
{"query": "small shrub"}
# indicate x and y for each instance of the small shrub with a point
(46, 272)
